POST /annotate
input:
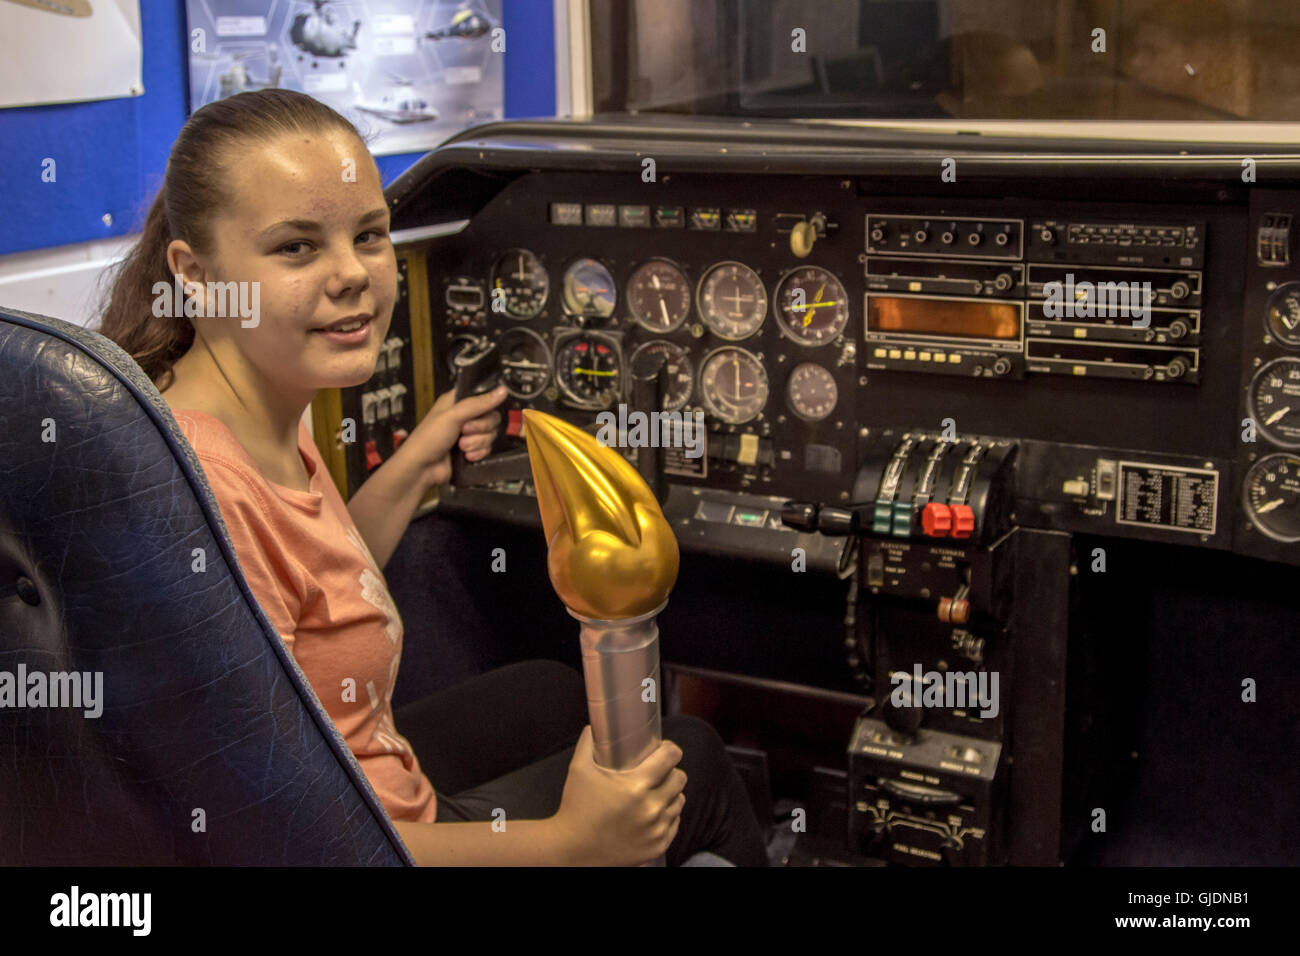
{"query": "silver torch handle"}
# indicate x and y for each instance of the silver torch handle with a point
(620, 664)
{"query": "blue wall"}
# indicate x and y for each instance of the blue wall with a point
(111, 155)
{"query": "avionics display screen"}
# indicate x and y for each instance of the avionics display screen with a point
(955, 318)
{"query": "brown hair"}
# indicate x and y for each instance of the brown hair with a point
(192, 190)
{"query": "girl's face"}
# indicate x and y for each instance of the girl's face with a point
(308, 222)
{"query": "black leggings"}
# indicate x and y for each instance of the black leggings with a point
(505, 739)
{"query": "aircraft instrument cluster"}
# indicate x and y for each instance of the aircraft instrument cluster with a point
(1141, 346)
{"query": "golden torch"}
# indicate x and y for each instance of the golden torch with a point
(612, 559)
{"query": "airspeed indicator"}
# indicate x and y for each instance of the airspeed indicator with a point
(659, 296)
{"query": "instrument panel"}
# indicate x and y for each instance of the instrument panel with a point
(757, 346)
(952, 394)
(793, 361)
(1139, 343)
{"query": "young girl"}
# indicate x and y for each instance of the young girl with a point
(276, 190)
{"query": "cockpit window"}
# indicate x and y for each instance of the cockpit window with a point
(1155, 60)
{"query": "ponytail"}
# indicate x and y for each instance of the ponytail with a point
(154, 342)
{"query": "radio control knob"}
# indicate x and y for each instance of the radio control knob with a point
(877, 234)
(947, 238)
(1003, 282)
(921, 235)
(1176, 368)
(1047, 236)
(974, 238)
(1179, 290)
(1177, 329)
(1001, 366)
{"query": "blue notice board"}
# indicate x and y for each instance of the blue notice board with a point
(110, 155)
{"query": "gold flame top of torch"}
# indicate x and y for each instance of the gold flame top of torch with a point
(611, 552)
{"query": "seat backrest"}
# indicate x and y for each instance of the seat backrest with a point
(209, 746)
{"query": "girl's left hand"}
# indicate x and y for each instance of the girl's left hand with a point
(469, 423)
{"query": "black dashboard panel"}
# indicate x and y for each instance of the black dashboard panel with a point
(676, 237)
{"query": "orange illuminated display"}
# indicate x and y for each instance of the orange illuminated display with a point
(979, 320)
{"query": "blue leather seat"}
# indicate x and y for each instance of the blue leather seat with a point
(210, 748)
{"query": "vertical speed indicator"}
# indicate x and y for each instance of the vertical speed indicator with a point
(681, 378)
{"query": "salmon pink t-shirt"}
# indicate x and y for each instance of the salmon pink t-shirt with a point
(319, 585)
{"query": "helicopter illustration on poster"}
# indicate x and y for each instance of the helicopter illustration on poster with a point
(465, 24)
(238, 80)
(321, 33)
(366, 60)
(399, 104)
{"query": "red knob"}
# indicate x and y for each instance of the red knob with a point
(963, 521)
(936, 520)
(373, 460)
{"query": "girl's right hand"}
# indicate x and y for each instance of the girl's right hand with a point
(620, 818)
